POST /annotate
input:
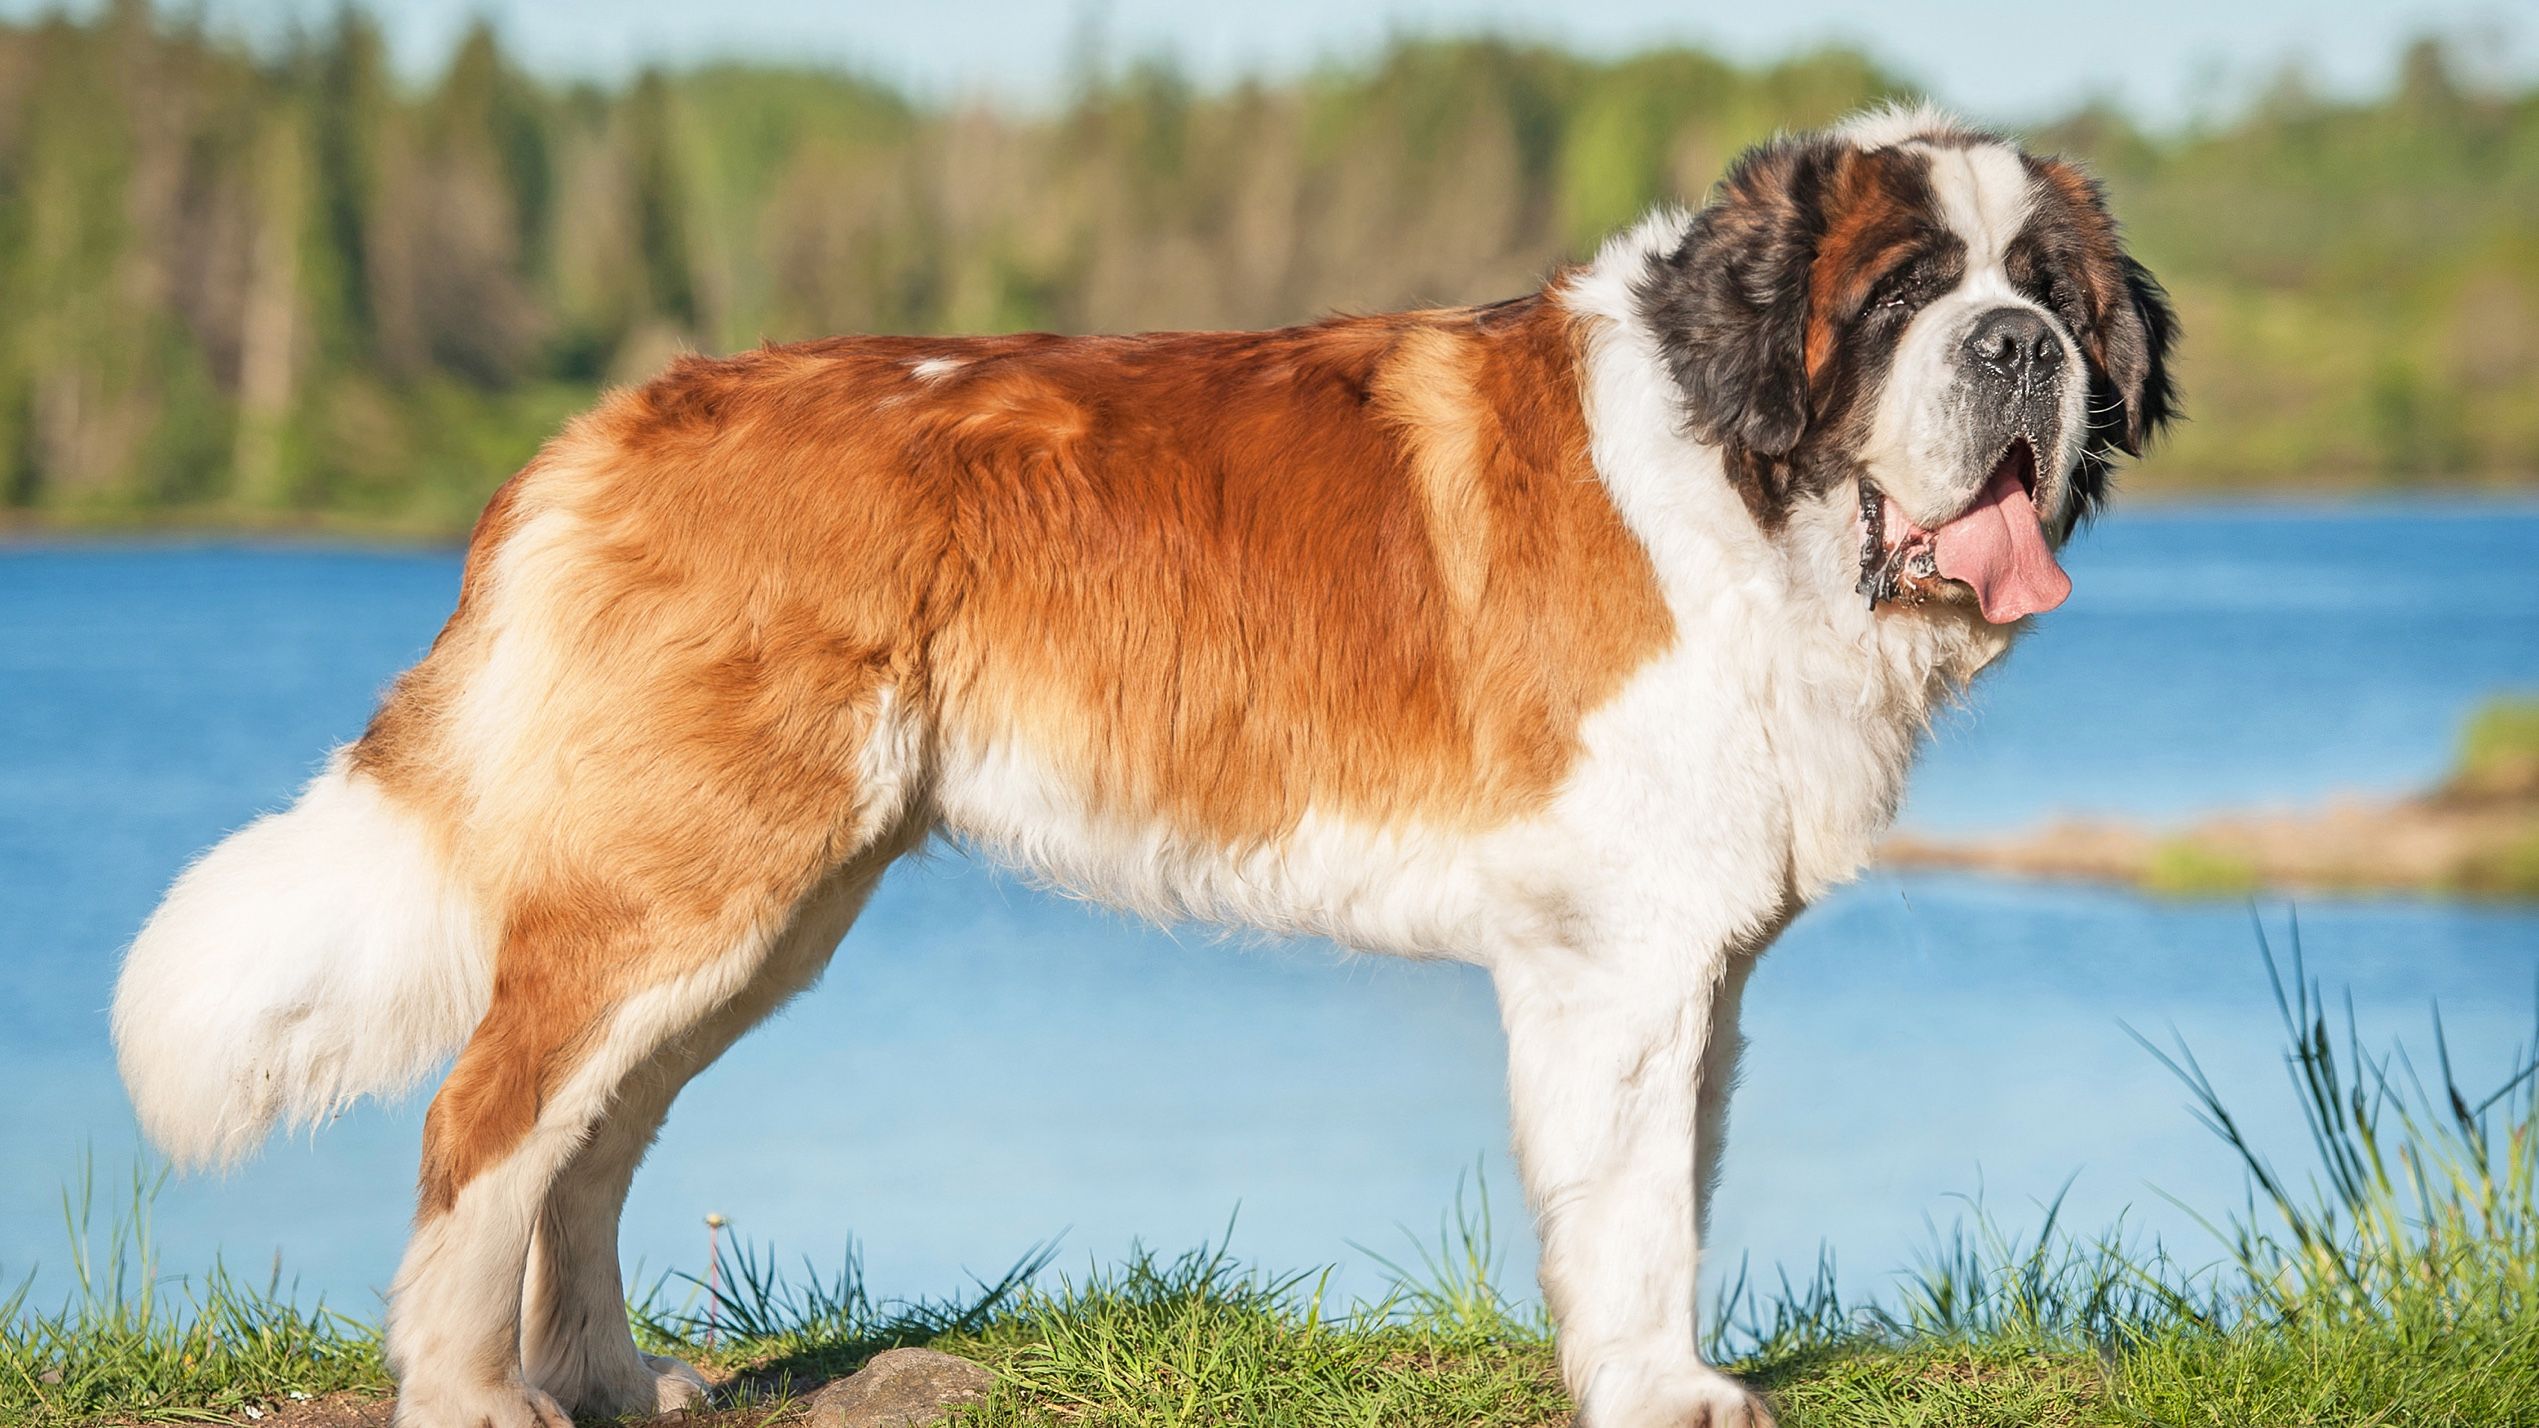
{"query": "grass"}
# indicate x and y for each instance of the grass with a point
(2188, 866)
(2499, 764)
(132, 1343)
(2394, 1280)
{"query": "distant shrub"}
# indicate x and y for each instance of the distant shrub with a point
(2508, 870)
(2499, 753)
(2195, 867)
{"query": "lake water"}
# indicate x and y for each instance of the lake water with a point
(987, 1067)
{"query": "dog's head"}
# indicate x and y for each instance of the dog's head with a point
(1921, 317)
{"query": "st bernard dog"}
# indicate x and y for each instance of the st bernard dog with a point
(1585, 636)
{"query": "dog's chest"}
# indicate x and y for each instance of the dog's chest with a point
(1752, 773)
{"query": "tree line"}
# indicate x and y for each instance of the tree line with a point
(275, 284)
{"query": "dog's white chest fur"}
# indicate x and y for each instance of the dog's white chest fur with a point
(1756, 763)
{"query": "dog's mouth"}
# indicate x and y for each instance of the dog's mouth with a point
(1995, 547)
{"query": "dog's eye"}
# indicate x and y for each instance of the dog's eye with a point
(1893, 291)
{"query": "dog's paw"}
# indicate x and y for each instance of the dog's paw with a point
(509, 1405)
(675, 1385)
(624, 1384)
(1714, 1400)
(1695, 1397)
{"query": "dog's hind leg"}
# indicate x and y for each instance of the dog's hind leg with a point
(609, 991)
(661, 723)
(578, 1007)
(575, 1343)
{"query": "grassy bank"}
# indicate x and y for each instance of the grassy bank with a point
(2394, 1279)
(2474, 835)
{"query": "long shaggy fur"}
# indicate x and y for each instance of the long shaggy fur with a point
(317, 955)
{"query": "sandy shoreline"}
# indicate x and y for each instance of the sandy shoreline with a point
(2450, 842)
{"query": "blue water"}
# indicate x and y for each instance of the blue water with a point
(987, 1067)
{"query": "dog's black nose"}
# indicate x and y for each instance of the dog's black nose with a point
(2014, 342)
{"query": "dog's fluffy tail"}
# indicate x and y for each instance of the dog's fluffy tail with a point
(317, 955)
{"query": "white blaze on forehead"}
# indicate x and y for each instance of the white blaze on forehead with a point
(1983, 193)
(934, 369)
(1981, 184)
(1901, 122)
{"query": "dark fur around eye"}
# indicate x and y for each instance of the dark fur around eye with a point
(1729, 304)
(1771, 341)
(1901, 291)
(2123, 322)
(2056, 296)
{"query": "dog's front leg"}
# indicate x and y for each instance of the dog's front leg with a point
(1606, 1059)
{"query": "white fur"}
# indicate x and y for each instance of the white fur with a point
(317, 955)
(1899, 121)
(935, 369)
(1984, 195)
(1409, 891)
(526, 664)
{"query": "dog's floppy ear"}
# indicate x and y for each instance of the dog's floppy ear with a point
(2121, 315)
(2123, 318)
(2136, 399)
(1729, 304)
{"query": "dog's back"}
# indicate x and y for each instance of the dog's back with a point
(1076, 600)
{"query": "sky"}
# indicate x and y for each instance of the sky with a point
(2167, 61)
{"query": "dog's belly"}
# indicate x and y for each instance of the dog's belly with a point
(1678, 825)
(1411, 889)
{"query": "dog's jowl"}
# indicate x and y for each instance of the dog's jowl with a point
(1585, 636)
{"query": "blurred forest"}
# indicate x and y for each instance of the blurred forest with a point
(282, 286)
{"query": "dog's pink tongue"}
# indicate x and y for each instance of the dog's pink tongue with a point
(1998, 547)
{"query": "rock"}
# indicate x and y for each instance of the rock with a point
(900, 1388)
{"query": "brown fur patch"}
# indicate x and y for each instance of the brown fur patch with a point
(1876, 212)
(1427, 390)
(1213, 580)
(1363, 567)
